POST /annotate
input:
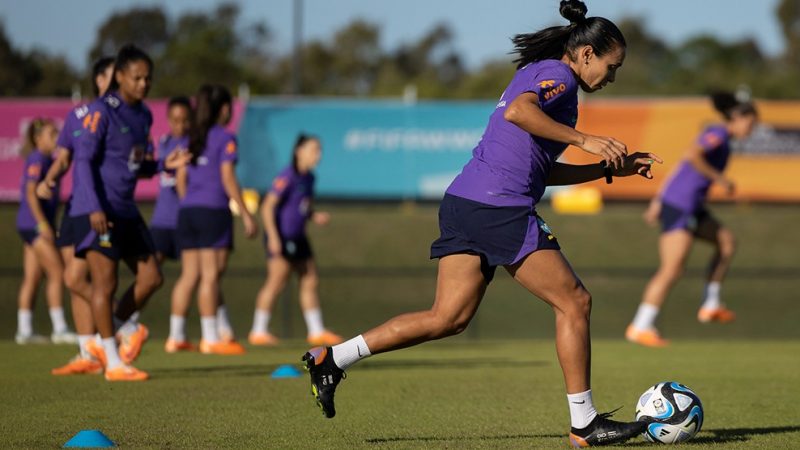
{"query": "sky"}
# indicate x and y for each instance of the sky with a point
(482, 28)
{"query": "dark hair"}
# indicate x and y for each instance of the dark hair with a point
(727, 105)
(98, 68)
(302, 138)
(180, 100)
(208, 104)
(127, 54)
(33, 131)
(554, 42)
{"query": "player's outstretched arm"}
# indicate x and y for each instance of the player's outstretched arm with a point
(635, 164)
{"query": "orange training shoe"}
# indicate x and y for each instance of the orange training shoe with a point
(126, 373)
(173, 346)
(130, 346)
(324, 339)
(79, 365)
(221, 348)
(648, 338)
(97, 351)
(721, 315)
(263, 339)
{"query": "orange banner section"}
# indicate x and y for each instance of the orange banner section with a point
(669, 127)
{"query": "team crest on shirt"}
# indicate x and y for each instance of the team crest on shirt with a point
(112, 101)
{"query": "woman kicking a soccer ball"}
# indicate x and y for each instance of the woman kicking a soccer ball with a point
(488, 216)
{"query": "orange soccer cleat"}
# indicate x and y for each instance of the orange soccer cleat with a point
(648, 338)
(97, 351)
(78, 366)
(221, 348)
(263, 339)
(173, 346)
(721, 315)
(126, 373)
(130, 346)
(324, 339)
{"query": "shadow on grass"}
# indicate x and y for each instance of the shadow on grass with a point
(718, 436)
(245, 370)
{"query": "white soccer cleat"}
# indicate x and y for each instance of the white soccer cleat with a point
(25, 339)
(65, 337)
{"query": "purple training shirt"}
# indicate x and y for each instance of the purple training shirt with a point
(295, 192)
(510, 167)
(687, 188)
(165, 214)
(109, 156)
(36, 166)
(204, 186)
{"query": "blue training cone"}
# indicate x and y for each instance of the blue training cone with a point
(90, 439)
(286, 371)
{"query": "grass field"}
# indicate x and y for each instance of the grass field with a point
(496, 386)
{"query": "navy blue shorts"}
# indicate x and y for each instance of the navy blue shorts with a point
(294, 249)
(166, 242)
(127, 238)
(205, 228)
(28, 235)
(66, 231)
(500, 235)
(673, 218)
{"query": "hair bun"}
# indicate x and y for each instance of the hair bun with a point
(573, 10)
(723, 101)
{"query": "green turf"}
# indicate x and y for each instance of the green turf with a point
(496, 386)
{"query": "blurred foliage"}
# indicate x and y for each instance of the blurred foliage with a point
(220, 46)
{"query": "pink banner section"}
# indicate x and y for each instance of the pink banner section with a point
(16, 114)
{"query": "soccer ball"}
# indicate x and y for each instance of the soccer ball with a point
(674, 410)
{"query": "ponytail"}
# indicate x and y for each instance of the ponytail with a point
(555, 42)
(209, 102)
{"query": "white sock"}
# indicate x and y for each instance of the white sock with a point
(57, 318)
(134, 318)
(350, 352)
(208, 326)
(314, 321)
(223, 324)
(712, 300)
(645, 316)
(112, 354)
(176, 328)
(125, 328)
(24, 322)
(260, 321)
(581, 409)
(83, 339)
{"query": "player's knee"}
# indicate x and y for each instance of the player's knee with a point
(309, 281)
(581, 303)
(152, 280)
(670, 274)
(449, 325)
(726, 243)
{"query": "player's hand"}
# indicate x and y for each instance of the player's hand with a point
(178, 159)
(99, 222)
(44, 189)
(608, 148)
(321, 218)
(275, 247)
(650, 216)
(250, 227)
(728, 185)
(46, 232)
(638, 163)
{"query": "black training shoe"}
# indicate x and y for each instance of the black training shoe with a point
(325, 376)
(602, 431)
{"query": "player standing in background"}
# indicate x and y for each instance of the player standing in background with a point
(205, 222)
(488, 216)
(76, 271)
(35, 224)
(110, 157)
(164, 223)
(285, 211)
(681, 209)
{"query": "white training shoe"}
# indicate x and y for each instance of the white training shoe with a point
(65, 337)
(24, 339)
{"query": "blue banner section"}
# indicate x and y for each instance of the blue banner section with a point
(371, 149)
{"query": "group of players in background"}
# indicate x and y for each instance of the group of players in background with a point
(108, 145)
(487, 219)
